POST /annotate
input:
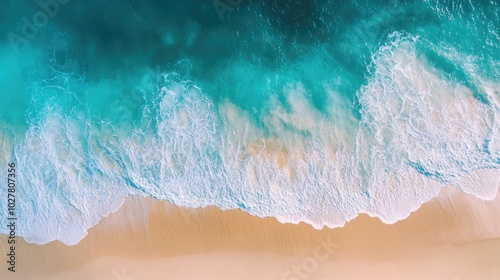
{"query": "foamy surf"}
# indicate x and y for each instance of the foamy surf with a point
(419, 131)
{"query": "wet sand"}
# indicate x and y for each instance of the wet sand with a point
(455, 236)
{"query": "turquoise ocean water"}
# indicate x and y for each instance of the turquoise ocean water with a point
(309, 111)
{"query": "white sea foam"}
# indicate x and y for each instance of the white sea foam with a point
(419, 132)
(64, 187)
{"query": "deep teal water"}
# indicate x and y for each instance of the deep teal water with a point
(91, 54)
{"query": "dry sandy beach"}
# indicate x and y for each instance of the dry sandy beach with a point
(455, 236)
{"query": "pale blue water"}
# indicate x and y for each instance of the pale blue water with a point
(303, 110)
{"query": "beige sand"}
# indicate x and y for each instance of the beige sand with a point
(452, 237)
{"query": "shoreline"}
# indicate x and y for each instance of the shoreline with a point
(151, 233)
